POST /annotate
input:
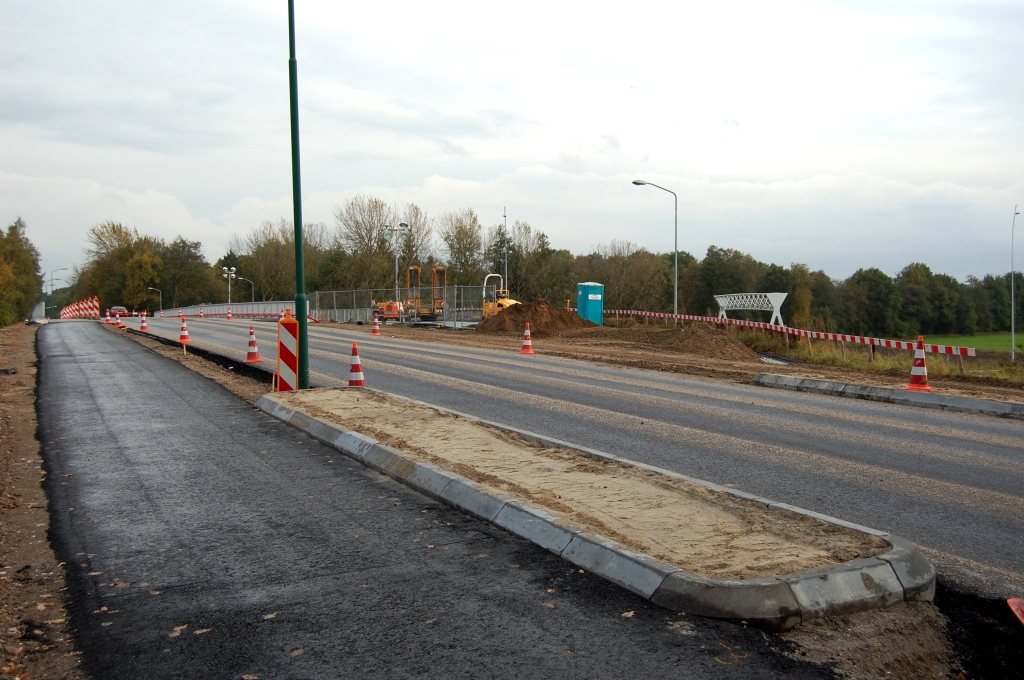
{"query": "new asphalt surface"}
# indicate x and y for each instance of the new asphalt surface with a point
(205, 539)
(951, 483)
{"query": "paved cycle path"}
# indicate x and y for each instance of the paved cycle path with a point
(204, 539)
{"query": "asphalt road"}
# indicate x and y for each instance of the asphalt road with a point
(205, 539)
(951, 483)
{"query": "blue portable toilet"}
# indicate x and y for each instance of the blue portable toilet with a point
(590, 301)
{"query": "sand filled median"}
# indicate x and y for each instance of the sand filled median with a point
(696, 528)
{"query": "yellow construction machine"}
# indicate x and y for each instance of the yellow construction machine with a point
(426, 303)
(496, 299)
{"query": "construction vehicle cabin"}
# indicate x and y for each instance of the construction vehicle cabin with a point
(496, 299)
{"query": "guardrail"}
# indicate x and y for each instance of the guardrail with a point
(799, 332)
(272, 309)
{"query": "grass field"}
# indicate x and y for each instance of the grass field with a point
(989, 341)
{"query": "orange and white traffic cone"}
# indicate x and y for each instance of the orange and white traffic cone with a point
(108, 318)
(376, 326)
(229, 314)
(201, 316)
(117, 323)
(527, 343)
(183, 338)
(355, 371)
(253, 357)
(1017, 606)
(144, 327)
(161, 313)
(919, 373)
(281, 316)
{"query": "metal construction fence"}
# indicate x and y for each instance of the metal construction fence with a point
(270, 310)
(452, 306)
(449, 305)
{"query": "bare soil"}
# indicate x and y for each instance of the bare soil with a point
(544, 319)
(704, 531)
(33, 628)
(703, 351)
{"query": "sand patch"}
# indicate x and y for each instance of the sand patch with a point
(695, 528)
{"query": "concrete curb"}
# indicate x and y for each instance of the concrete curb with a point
(891, 395)
(775, 604)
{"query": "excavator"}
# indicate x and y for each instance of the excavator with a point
(496, 299)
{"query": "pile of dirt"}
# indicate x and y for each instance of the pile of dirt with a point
(696, 338)
(544, 318)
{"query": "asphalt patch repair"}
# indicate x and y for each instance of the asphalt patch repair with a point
(693, 527)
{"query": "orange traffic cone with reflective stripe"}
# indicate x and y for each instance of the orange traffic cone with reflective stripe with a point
(229, 314)
(527, 343)
(144, 327)
(1017, 606)
(355, 371)
(253, 357)
(919, 373)
(108, 318)
(201, 316)
(117, 322)
(183, 338)
(376, 325)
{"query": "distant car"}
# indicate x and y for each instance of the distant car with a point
(118, 311)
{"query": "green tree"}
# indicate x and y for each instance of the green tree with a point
(463, 238)
(870, 304)
(185, 277)
(21, 281)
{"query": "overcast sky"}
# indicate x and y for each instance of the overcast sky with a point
(843, 135)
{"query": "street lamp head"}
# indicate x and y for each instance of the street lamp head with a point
(640, 182)
(403, 225)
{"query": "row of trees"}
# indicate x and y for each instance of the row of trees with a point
(358, 252)
(21, 281)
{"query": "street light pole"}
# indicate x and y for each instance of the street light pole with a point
(161, 297)
(1013, 296)
(504, 235)
(675, 250)
(251, 285)
(62, 269)
(229, 274)
(401, 230)
(300, 276)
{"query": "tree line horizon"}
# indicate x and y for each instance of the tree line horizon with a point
(356, 253)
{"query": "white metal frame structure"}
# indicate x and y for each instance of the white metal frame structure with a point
(758, 302)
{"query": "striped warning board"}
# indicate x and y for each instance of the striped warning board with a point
(287, 354)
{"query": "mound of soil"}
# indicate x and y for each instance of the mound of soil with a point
(544, 318)
(696, 338)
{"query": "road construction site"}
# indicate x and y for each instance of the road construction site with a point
(951, 483)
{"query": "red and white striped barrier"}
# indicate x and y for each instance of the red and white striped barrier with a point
(287, 354)
(814, 335)
(83, 309)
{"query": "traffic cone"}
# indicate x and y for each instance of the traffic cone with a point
(355, 374)
(1017, 606)
(161, 313)
(527, 343)
(201, 312)
(108, 318)
(183, 338)
(282, 314)
(144, 327)
(117, 323)
(919, 373)
(253, 357)
(229, 314)
(376, 326)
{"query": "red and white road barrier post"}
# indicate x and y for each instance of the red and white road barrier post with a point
(287, 354)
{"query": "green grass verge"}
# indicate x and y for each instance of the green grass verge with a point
(989, 341)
